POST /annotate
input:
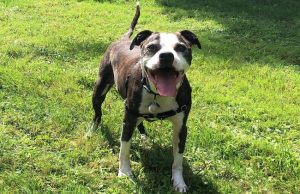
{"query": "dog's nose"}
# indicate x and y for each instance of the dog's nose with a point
(166, 58)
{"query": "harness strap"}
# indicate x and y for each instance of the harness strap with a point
(160, 116)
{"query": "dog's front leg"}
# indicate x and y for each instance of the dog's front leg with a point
(129, 124)
(179, 138)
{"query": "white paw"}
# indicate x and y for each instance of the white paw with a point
(91, 130)
(143, 136)
(182, 188)
(88, 134)
(122, 173)
(178, 182)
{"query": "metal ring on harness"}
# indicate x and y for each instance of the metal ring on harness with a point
(183, 108)
(160, 116)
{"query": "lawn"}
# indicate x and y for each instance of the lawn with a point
(243, 130)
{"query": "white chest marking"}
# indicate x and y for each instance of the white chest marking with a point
(165, 103)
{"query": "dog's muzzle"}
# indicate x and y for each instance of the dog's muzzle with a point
(166, 60)
(165, 80)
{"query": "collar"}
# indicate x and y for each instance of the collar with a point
(147, 87)
(145, 84)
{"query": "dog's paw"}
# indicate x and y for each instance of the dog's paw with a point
(91, 130)
(182, 188)
(88, 134)
(144, 136)
(178, 182)
(122, 173)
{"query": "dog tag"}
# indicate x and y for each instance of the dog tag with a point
(153, 108)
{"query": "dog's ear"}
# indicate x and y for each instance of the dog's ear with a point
(139, 38)
(191, 37)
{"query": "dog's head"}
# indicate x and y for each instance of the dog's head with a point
(165, 59)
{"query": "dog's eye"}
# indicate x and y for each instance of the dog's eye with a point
(180, 48)
(152, 48)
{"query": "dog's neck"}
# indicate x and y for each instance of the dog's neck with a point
(147, 87)
(146, 82)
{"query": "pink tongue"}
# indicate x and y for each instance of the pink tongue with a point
(166, 84)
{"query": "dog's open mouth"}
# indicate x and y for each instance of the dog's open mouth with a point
(165, 80)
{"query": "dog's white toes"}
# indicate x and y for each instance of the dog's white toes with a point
(91, 130)
(178, 181)
(121, 174)
(88, 134)
(181, 187)
(143, 136)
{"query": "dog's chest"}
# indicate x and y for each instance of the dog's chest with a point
(164, 103)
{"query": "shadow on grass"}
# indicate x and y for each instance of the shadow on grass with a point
(156, 178)
(252, 31)
(157, 164)
(72, 50)
(113, 140)
(108, 1)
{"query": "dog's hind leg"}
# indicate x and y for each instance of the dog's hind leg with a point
(130, 122)
(141, 129)
(103, 84)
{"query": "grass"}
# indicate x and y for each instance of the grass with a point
(244, 128)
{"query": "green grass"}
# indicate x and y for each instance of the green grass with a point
(244, 127)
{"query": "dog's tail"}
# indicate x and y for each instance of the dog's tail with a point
(134, 21)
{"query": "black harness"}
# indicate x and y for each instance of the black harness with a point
(160, 116)
(149, 116)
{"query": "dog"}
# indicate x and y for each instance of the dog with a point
(150, 75)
